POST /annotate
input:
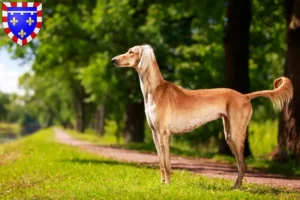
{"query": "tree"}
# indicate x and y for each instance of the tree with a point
(289, 125)
(52, 105)
(134, 123)
(4, 101)
(111, 26)
(63, 47)
(15, 109)
(236, 46)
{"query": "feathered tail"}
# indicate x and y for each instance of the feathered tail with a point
(282, 93)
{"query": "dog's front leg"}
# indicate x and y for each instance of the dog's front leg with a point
(159, 153)
(164, 139)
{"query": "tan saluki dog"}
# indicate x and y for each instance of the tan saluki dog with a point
(171, 109)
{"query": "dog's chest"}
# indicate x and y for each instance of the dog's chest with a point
(150, 110)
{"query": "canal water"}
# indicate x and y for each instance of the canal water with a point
(9, 135)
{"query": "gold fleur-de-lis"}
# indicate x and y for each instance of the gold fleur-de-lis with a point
(22, 33)
(29, 21)
(14, 21)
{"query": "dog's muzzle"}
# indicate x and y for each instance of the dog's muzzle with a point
(114, 61)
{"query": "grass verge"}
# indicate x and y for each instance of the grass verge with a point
(37, 167)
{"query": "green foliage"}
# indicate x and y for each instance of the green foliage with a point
(4, 101)
(49, 103)
(15, 109)
(94, 77)
(38, 167)
(110, 128)
(263, 137)
(267, 52)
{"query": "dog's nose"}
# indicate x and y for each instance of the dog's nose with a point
(114, 60)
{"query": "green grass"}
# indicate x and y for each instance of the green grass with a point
(37, 167)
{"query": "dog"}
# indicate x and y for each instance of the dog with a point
(171, 109)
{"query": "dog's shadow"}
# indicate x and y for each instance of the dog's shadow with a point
(105, 162)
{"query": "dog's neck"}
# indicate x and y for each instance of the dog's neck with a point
(150, 79)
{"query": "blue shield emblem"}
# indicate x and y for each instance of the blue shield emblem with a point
(22, 20)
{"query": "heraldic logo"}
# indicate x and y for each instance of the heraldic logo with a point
(22, 20)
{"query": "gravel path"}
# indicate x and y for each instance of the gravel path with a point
(203, 166)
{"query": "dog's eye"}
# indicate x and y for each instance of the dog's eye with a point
(130, 52)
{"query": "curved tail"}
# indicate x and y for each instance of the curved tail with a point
(282, 93)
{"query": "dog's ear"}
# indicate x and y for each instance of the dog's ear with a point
(295, 22)
(147, 57)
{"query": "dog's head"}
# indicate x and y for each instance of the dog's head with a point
(139, 57)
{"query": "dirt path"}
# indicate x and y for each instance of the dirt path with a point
(207, 167)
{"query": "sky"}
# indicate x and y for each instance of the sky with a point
(10, 71)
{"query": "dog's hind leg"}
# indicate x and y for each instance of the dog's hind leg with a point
(227, 133)
(235, 126)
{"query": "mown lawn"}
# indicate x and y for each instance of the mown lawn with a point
(37, 167)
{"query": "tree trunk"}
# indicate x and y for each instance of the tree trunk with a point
(289, 125)
(50, 119)
(79, 114)
(134, 122)
(100, 119)
(236, 46)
